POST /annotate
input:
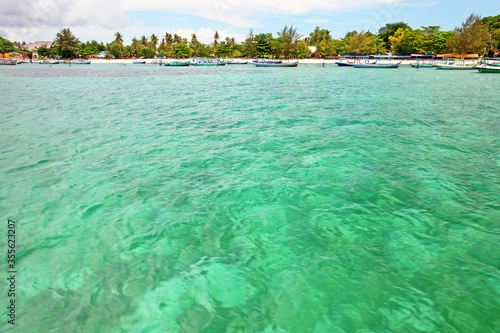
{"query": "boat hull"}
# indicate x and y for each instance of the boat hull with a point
(237, 63)
(282, 64)
(422, 66)
(489, 69)
(375, 66)
(463, 68)
(177, 64)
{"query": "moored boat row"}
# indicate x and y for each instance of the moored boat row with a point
(8, 62)
(486, 65)
(216, 62)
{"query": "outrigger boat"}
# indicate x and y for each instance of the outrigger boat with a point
(347, 60)
(208, 62)
(8, 62)
(82, 63)
(266, 60)
(177, 63)
(276, 64)
(376, 65)
(423, 65)
(457, 67)
(351, 62)
(141, 62)
(453, 64)
(488, 68)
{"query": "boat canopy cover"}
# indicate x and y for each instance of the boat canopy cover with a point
(454, 55)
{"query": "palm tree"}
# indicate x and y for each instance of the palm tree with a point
(153, 42)
(287, 39)
(168, 39)
(230, 41)
(119, 41)
(163, 45)
(194, 40)
(216, 38)
(177, 39)
(144, 41)
(66, 43)
(249, 46)
(118, 38)
(136, 46)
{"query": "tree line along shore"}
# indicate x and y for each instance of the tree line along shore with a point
(475, 35)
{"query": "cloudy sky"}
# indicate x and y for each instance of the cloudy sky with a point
(39, 20)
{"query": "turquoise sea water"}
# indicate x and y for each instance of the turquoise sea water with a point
(243, 199)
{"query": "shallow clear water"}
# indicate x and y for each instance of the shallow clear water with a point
(243, 199)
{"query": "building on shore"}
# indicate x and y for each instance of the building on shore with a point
(33, 47)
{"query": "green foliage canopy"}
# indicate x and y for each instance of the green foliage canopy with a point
(6, 46)
(66, 44)
(181, 51)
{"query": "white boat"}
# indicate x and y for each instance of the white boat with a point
(350, 62)
(276, 64)
(457, 64)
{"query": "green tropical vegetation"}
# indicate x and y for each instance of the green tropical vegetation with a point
(66, 44)
(475, 35)
(6, 46)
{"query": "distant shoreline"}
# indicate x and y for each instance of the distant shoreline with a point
(301, 61)
(150, 61)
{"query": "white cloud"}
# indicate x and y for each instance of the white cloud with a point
(109, 15)
(239, 13)
(22, 20)
(26, 20)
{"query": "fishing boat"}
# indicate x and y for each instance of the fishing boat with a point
(351, 62)
(82, 63)
(377, 65)
(456, 67)
(423, 65)
(237, 63)
(49, 63)
(207, 62)
(139, 62)
(8, 62)
(276, 64)
(490, 68)
(265, 60)
(177, 63)
(457, 64)
(203, 64)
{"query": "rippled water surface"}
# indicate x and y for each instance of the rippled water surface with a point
(243, 199)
